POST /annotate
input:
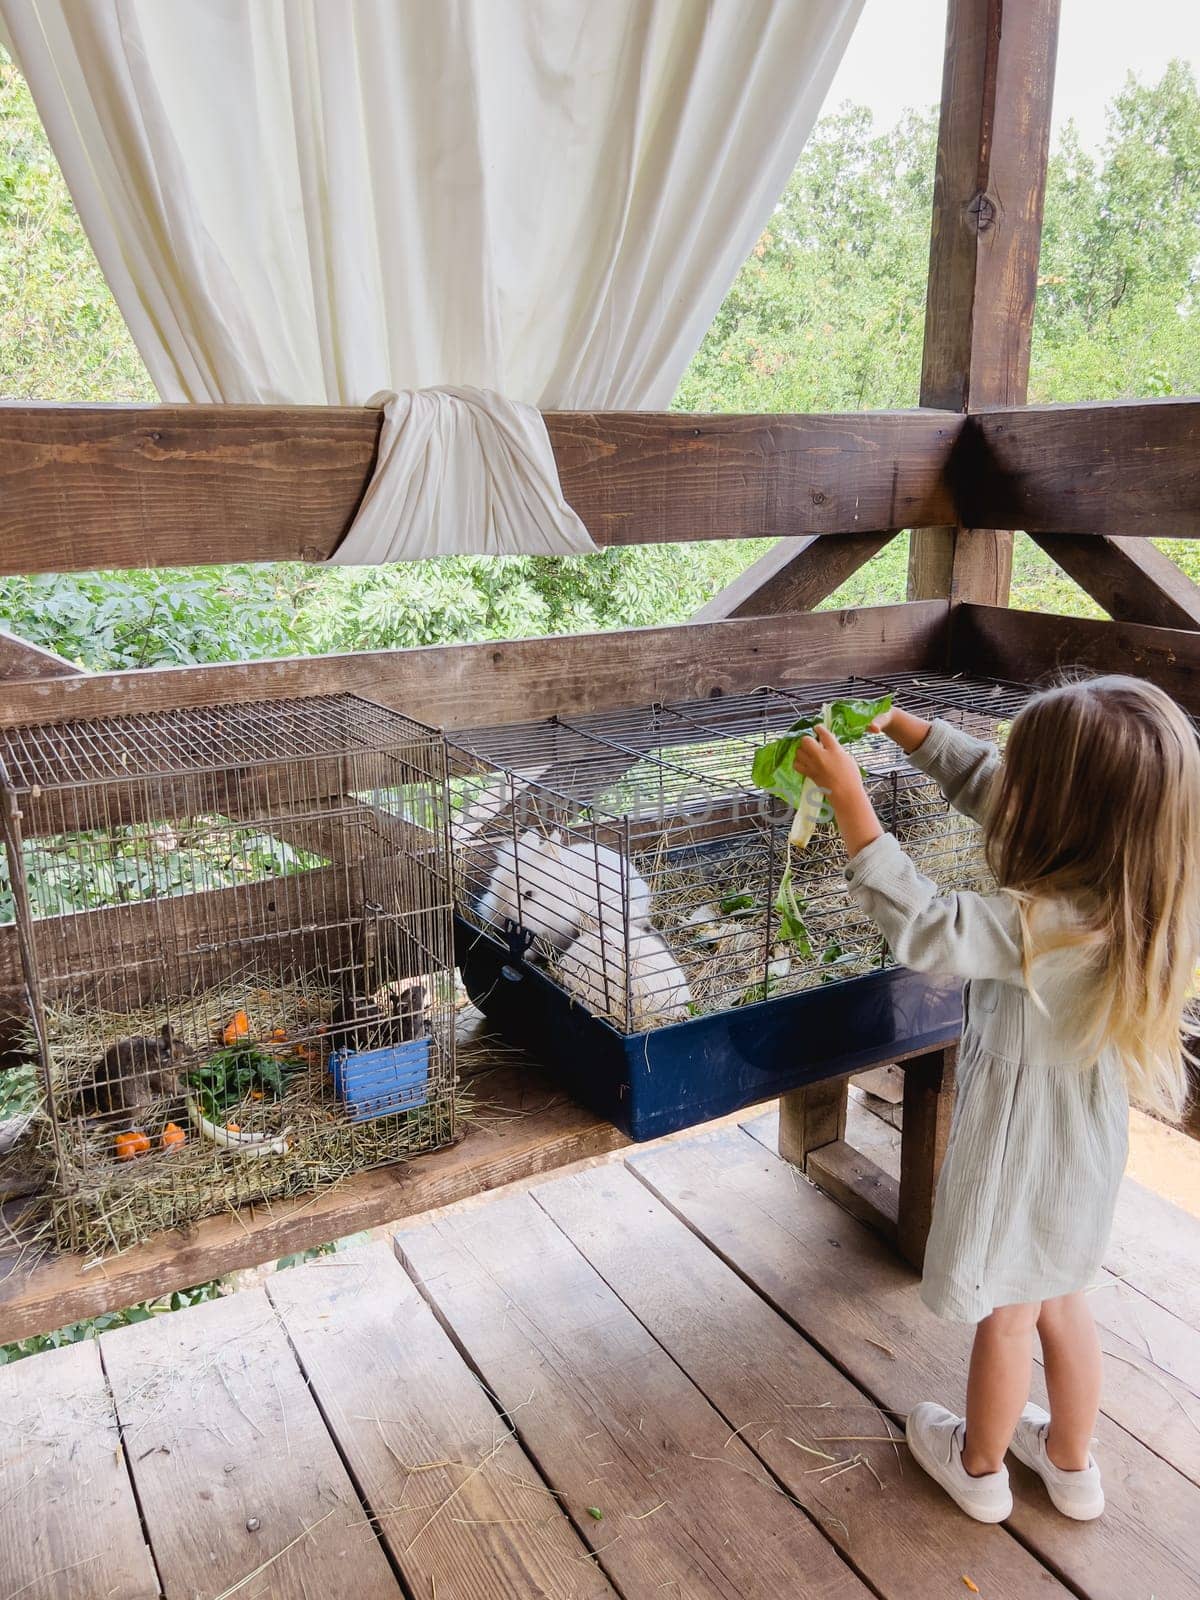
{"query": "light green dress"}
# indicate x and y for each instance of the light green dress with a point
(1039, 1135)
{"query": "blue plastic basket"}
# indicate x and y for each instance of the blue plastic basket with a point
(683, 1073)
(383, 1082)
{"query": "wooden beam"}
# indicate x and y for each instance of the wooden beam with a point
(810, 1118)
(858, 1184)
(989, 188)
(1031, 647)
(456, 686)
(85, 487)
(796, 575)
(928, 1108)
(529, 1128)
(1132, 579)
(20, 659)
(157, 950)
(1126, 468)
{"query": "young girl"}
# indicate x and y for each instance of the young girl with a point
(1078, 970)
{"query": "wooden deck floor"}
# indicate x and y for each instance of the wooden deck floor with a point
(675, 1374)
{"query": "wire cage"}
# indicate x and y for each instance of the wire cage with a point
(230, 933)
(625, 861)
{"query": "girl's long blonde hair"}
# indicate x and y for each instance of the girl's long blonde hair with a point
(1098, 803)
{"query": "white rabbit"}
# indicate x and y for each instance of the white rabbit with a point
(593, 967)
(552, 888)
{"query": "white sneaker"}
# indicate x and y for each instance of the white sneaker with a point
(935, 1438)
(1075, 1494)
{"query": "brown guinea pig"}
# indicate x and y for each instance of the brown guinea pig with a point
(133, 1073)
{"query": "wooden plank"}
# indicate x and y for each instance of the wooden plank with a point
(611, 1420)
(156, 949)
(928, 1108)
(786, 1400)
(1129, 468)
(232, 1462)
(83, 487)
(1155, 1247)
(854, 1298)
(858, 1184)
(796, 575)
(20, 659)
(883, 1083)
(524, 1126)
(1030, 647)
(1151, 1372)
(70, 1528)
(452, 686)
(860, 1170)
(865, 1132)
(989, 189)
(416, 1431)
(1132, 579)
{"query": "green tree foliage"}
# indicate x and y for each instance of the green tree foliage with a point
(826, 315)
(828, 312)
(61, 335)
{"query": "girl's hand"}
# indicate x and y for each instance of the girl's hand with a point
(902, 728)
(828, 764)
(832, 767)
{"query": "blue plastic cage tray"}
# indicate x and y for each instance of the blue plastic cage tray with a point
(383, 1082)
(684, 1073)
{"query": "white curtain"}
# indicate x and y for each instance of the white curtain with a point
(314, 200)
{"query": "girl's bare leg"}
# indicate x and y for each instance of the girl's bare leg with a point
(1074, 1368)
(998, 1385)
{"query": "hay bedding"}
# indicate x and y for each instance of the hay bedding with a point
(102, 1203)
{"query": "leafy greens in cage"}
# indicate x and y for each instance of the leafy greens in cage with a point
(774, 770)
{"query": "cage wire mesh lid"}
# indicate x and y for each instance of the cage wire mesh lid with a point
(199, 739)
(634, 848)
(602, 764)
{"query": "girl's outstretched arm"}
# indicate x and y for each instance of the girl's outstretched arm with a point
(964, 768)
(965, 934)
(903, 728)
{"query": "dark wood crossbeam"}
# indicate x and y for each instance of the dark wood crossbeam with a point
(796, 575)
(1132, 579)
(989, 188)
(86, 487)
(20, 659)
(457, 685)
(1030, 647)
(1130, 468)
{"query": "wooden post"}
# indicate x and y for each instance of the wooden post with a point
(989, 187)
(812, 1117)
(928, 1106)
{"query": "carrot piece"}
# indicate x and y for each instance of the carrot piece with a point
(236, 1029)
(279, 1035)
(173, 1136)
(133, 1143)
(974, 1587)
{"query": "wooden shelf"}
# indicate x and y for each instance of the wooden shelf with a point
(521, 1125)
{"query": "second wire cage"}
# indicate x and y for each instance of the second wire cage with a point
(618, 878)
(230, 934)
